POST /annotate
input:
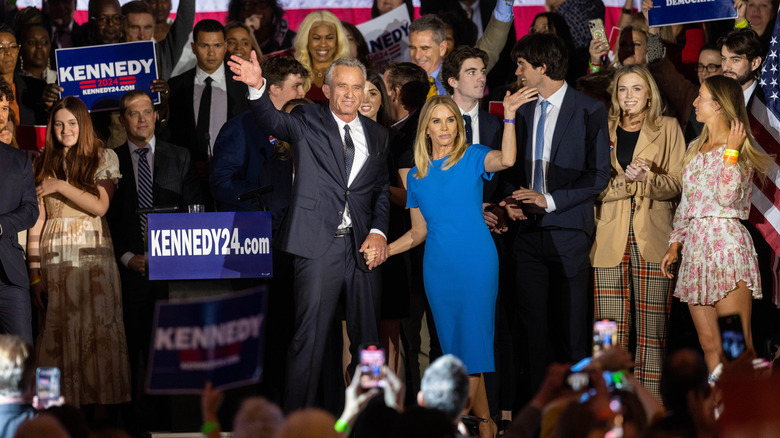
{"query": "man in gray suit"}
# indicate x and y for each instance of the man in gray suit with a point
(18, 211)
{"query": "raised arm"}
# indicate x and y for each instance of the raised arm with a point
(248, 72)
(496, 161)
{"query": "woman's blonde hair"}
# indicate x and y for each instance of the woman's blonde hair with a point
(301, 42)
(423, 148)
(727, 93)
(654, 109)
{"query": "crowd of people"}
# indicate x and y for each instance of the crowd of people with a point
(603, 187)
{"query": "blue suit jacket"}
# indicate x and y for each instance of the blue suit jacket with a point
(18, 210)
(579, 159)
(320, 190)
(239, 153)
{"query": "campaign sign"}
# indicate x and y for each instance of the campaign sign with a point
(219, 340)
(209, 245)
(388, 37)
(100, 75)
(667, 12)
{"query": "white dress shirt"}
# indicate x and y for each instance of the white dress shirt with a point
(556, 100)
(218, 112)
(125, 259)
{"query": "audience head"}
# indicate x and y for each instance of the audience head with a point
(634, 92)
(308, 423)
(257, 418)
(40, 426)
(287, 79)
(684, 372)
(458, 29)
(344, 84)
(321, 39)
(541, 57)
(441, 124)
(384, 6)
(267, 11)
(240, 41)
(358, 47)
(161, 9)
(419, 422)
(427, 44)
(35, 46)
(632, 45)
(105, 17)
(138, 116)
(60, 12)
(8, 131)
(407, 87)
(6, 97)
(709, 62)
(741, 56)
(376, 104)
(445, 386)
(137, 21)
(550, 22)
(208, 45)
(17, 367)
(71, 419)
(760, 13)
(463, 72)
(8, 57)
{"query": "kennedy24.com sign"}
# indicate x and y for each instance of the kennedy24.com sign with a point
(100, 75)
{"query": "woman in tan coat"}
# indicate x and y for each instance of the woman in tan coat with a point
(634, 219)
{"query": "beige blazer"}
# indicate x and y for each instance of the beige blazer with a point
(656, 198)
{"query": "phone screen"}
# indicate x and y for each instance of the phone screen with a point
(732, 336)
(604, 335)
(372, 358)
(47, 383)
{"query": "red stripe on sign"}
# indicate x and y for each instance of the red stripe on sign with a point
(126, 82)
(92, 82)
(126, 78)
(84, 87)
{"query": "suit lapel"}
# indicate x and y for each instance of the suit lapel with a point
(334, 138)
(564, 115)
(646, 138)
(372, 145)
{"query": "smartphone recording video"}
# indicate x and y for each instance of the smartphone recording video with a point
(372, 358)
(604, 335)
(732, 336)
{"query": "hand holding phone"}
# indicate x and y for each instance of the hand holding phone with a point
(372, 359)
(47, 388)
(732, 336)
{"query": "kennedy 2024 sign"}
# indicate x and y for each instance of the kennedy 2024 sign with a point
(667, 12)
(100, 75)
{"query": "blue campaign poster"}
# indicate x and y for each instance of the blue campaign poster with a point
(209, 245)
(667, 12)
(100, 75)
(218, 340)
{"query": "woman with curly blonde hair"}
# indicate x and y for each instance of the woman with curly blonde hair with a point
(321, 40)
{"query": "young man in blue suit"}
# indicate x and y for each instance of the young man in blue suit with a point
(18, 211)
(563, 164)
(338, 209)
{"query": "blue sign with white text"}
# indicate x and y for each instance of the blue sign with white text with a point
(100, 75)
(209, 245)
(667, 12)
(219, 340)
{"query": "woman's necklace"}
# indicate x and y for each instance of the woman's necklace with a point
(319, 73)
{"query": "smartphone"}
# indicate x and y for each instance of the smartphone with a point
(731, 335)
(372, 359)
(604, 335)
(597, 31)
(47, 384)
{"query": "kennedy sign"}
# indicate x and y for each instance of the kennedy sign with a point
(100, 75)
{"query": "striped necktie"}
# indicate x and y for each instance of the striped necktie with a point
(144, 185)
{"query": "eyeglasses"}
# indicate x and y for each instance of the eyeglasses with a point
(9, 48)
(104, 19)
(712, 68)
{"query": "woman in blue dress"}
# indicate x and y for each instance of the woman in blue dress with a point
(460, 266)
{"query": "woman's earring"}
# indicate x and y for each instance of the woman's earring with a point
(649, 102)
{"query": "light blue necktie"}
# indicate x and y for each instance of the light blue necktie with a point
(538, 182)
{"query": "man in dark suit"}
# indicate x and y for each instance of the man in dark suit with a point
(242, 147)
(339, 209)
(563, 151)
(204, 91)
(18, 212)
(155, 173)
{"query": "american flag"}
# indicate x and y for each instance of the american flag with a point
(765, 125)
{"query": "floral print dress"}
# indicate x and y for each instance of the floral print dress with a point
(717, 250)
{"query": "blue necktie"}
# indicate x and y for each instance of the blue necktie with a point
(144, 185)
(469, 132)
(538, 182)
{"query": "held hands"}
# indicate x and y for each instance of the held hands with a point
(248, 72)
(534, 201)
(374, 250)
(671, 256)
(49, 186)
(637, 170)
(513, 101)
(512, 207)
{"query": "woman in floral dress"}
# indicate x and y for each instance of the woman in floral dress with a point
(719, 271)
(71, 261)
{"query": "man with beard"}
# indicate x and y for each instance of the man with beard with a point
(741, 58)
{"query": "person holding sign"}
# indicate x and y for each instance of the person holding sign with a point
(719, 271)
(71, 261)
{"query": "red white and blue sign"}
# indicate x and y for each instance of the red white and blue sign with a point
(195, 246)
(100, 75)
(667, 12)
(218, 340)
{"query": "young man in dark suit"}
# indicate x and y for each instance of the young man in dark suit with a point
(205, 91)
(339, 208)
(18, 212)
(147, 165)
(563, 164)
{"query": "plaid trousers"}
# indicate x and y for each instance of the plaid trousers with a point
(638, 285)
